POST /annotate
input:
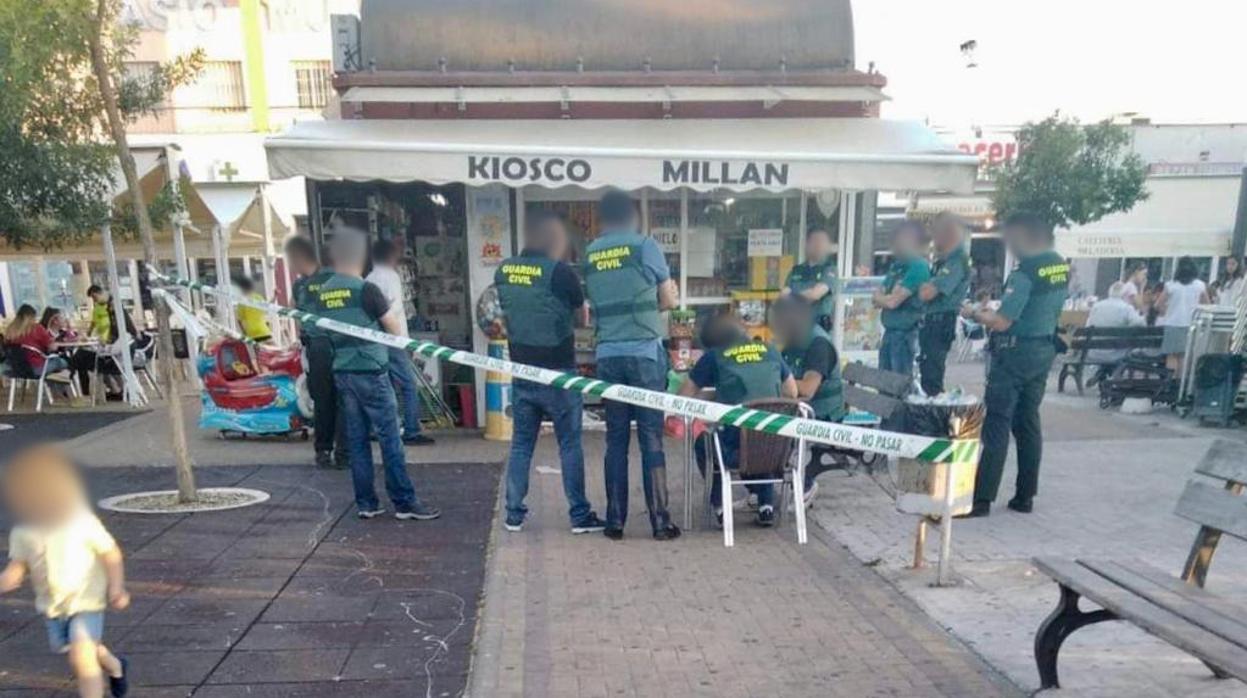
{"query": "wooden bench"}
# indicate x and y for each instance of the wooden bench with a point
(875, 391)
(1177, 610)
(1087, 339)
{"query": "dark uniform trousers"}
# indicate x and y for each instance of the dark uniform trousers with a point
(324, 394)
(935, 338)
(1015, 389)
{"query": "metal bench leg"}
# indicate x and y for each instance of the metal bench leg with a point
(1060, 624)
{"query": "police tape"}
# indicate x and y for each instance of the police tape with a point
(828, 433)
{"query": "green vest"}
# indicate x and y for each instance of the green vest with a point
(535, 316)
(341, 298)
(906, 315)
(1049, 275)
(304, 292)
(625, 301)
(808, 275)
(955, 266)
(828, 400)
(748, 370)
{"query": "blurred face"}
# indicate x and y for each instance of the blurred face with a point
(557, 233)
(789, 326)
(1231, 265)
(43, 489)
(818, 245)
(946, 234)
(56, 322)
(907, 244)
(1139, 277)
(99, 296)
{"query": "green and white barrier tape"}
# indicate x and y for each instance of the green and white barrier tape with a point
(828, 433)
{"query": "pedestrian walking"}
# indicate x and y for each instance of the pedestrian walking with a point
(73, 564)
(942, 297)
(541, 296)
(1022, 347)
(361, 376)
(814, 280)
(317, 353)
(384, 274)
(629, 284)
(902, 308)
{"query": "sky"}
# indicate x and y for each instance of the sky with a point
(1173, 62)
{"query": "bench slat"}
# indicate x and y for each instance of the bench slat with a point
(870, 401)
(1144, 332)
(1226, 460)
(1116, 343)
(1214, 507)
(1164, 624)
(1180, 602)
(886, 382)
(1215, 603)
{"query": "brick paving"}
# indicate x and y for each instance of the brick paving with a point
(1108, 489)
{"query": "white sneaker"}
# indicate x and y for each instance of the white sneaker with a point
(370, 513)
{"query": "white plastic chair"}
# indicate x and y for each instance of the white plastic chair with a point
(766, 459)
(22, 373)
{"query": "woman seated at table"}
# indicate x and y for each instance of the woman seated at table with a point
(39, 344)
(739, 369)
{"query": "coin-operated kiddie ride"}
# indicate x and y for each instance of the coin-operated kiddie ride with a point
(253, 390)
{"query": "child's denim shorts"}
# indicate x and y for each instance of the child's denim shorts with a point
(62, 632)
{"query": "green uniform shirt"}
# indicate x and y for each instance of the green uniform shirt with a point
(807, 275)
(911, 274)
(951, 277)
(303, 294)
(1035, 294)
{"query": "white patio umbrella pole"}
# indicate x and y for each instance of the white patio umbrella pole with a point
(183, 267)
(266, 262)
(225, 310)
(133, 391)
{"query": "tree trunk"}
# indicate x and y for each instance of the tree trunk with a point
(117, 125)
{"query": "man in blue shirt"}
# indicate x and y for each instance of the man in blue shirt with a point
(902, 308)
(629, 284)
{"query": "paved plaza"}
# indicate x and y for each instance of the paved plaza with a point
(327, 606)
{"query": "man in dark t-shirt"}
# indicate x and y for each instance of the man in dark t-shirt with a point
(541, 298)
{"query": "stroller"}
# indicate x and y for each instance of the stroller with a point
(1139, 374)
(249, 393)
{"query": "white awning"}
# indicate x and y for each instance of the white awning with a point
(702, 154)
(1181, 216)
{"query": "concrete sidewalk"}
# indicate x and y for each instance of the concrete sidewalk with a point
(1108, 488)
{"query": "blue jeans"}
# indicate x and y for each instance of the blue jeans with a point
(729, 442)
(366, 400)
(403, 375)
(530, 402)
(650, 374)
(896, 351)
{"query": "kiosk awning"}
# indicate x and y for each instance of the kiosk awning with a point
(702, 154)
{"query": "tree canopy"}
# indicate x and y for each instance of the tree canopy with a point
(1070, 173)
(59, 169)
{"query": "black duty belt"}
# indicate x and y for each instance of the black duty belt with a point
(1009, 341)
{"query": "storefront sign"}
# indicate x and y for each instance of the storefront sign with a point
(558, 171)
(1090, 245)
(667, 238)
(766, 242)
(767, 174)
(492, 168)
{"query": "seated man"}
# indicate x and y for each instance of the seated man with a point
(812, 358)
(740, 370)
(1113, 311)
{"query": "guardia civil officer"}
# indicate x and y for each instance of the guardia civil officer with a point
(902, 309)
(943, 296)
(317, 350)
(541, 296)
(740, 369)
(814, 280)
(629, 284)
(367, 402)
(1022, 350)
(811, 356)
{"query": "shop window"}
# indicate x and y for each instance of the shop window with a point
(313, 82)
(720, 227)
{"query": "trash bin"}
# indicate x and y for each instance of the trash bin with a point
(921, 485)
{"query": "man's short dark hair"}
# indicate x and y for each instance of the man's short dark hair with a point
(537, 223)
(721, 331)
(94, 289)
(301, 247)
(616, 208)
(792, 305)
(1031, 224)
(912, 227)
(383, 250)
(817, 231)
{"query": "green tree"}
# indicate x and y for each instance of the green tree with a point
(65, 101)
(1070, 173)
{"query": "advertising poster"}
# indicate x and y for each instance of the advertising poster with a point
(858, 326)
